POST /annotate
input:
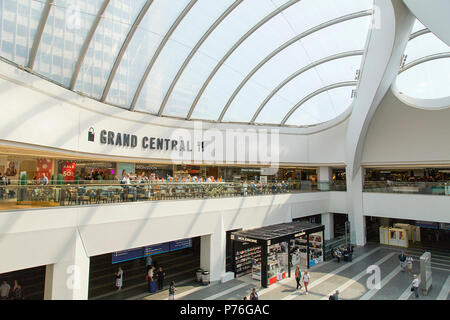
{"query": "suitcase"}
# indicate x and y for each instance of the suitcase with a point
(153, 287)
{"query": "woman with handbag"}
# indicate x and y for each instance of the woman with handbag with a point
(119, 279)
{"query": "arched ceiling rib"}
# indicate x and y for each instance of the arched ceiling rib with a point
(38, 35)
(86, 44)
(426, 78)
(285, 45)
(99, 73)
(315, 93)
(299, 72)
(192, 53)
(158, 51)
(442, 55)
(232, 49)
(125, 44)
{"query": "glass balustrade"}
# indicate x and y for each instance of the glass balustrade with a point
(18, 195)
(430, 188)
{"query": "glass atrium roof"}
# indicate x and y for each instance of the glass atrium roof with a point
(280, 62)
(426, 70)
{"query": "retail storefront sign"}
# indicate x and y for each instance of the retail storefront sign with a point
(119, 139)
(68, 171)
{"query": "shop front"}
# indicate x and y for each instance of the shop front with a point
(269, 254)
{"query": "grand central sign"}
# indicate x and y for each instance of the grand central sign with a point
(150, 143)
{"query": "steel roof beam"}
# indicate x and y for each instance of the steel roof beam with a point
(301, 71)
(86, 44)
(431, 57)
(38, 35)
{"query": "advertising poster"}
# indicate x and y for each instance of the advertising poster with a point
(43, 166)
(11, 168)
(123, 168)
(68, 171)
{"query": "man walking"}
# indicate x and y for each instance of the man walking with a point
(402, 258)
(415, 286)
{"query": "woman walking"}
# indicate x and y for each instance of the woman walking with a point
(306, 281)
(172, 290)
(409, 263)
(298, 277)
(119, 279)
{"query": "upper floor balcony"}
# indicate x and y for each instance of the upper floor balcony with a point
(22, 195)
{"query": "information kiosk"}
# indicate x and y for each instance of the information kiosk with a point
(271, 253)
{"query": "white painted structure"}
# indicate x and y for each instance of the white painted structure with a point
(379, 129)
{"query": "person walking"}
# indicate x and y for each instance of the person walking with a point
(160, 274)
(336, 295)
(5, 288)
(150, 275)
(409, 263)
(172, 290)
(402, 259)
(415, 286)
(119, 279)
(149, 263)
(17, 293)
(253, 295)
(298, 277)
(306, 281)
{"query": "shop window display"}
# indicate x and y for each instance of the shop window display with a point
(277, 262)
(248, 260)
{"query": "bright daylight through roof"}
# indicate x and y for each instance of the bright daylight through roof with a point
(225, 150)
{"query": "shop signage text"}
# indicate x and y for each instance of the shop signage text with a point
(151, 143)
(245, 239)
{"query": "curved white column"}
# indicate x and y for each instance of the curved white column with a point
(387, 41)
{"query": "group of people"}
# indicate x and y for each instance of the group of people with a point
(4, 180)
(7, 294)
(298, 278)
(346, 252)
(406, 262)
(154, 273)
(128, 178)
(253, 295)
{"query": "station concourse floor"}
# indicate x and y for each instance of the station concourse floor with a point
(350, 278)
